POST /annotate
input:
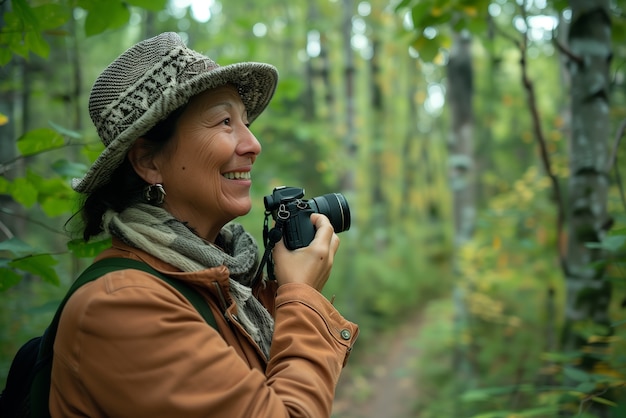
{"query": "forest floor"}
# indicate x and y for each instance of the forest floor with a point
(382, 380)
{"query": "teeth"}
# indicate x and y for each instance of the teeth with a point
(238, 175)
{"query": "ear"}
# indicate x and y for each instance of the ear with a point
(142, 160)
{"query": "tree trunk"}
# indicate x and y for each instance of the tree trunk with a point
(7, 139)
(588, 290)
(378, 134)
(461, 176)
(310, 111)
(410, 160)
(350, 146)
(349, 142)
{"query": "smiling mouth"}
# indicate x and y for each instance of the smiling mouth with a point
(237, 175)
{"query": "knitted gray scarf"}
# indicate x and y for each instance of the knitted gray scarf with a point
(154, 230)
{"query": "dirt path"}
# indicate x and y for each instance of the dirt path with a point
(382, 382)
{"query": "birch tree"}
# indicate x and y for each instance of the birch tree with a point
(462, 184)
(588, 290)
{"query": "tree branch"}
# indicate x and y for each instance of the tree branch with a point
(541, 141)
(30, 220)
(565, 51)
(6, 166)
(6, 231)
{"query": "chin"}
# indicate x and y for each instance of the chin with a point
(242, 210)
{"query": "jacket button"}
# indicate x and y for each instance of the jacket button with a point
(345, 334)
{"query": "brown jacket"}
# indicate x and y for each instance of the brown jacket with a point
(130, 345)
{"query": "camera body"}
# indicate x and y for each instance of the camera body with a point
(287, 206)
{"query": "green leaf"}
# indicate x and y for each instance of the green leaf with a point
(577, 375)
(37, 44)
(51, 16)
(561, 357)
(16, 248)
(8, 278)
(56, 205)
(603, 401)
(30, 29)
(92, 151)
(5, 56)
(24, 12)
(81, 249)
(65, 132)
(23, 192)
(39, 265)
(540, 411)
(427, 48)
(39, 140)
(586, 387)
(420, 12)
(53, 194)
(153, 5)
(69, 169)
(106, 15)
(611, 243)
(403, 4)
(5, 186)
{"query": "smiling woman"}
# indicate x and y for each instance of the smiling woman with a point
(216, 150)
(174, 176)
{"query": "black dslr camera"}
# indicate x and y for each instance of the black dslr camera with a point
(288, 209)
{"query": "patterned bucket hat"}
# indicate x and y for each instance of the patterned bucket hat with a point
(148, 82)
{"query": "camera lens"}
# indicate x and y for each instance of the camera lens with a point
(335, 207)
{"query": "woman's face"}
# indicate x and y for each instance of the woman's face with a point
(205, 169)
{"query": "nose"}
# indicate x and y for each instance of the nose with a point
(248, 144)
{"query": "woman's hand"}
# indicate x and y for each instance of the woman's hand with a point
(309, 265)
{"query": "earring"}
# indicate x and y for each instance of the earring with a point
(154, 193)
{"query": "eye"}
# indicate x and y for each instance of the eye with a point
(226, 121)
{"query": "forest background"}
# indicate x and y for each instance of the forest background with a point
(456, 131)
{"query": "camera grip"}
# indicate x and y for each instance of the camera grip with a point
(299, 230)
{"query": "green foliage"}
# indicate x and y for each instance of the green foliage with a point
(25, 25)
(39, 140)
(384, 278)
(433, 19)
(88, 250)
(511, 276)
(18, 258)
(24, 31)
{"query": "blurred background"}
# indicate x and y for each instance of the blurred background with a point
(478, 143)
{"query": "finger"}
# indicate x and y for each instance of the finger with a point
(334, 243)
(319, 220)
(324, 229)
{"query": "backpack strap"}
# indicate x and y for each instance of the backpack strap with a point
(107, 265)
(40, 388)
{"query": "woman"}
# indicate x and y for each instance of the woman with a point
(175, 171)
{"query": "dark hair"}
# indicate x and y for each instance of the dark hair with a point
(125, 187)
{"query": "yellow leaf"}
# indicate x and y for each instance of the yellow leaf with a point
(603, 339)
(605, 370)
(3, 119)
(471, 11)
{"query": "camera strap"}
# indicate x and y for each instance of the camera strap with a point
(270, 238)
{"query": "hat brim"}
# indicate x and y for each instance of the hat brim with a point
(255, 81)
